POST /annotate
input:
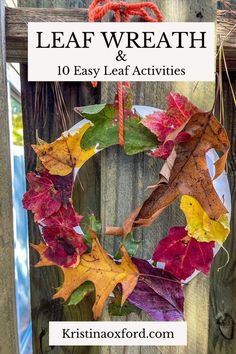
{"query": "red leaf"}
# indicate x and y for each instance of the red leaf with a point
(42, 198)
(65, 246)
(65, 216)
(182, 254)
(179, 107)
(182, 137)
(164, 150)
(47, 193)
(162, 123)
(64, 184)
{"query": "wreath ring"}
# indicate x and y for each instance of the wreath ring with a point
(66, 245)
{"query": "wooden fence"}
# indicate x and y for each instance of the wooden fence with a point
(113, 184)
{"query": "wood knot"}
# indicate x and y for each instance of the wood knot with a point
(199, 15)
(225, 323)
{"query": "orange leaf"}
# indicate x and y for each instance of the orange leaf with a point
(43, 262)
(99, 268)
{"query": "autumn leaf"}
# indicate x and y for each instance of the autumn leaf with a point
(65, 246)
(164, 150)
(163, 123)
(65, 216)
(41, 248)
(200, 226)
(157, 292)
(42, 198)
(64, 184)
(105, 131)
(61, 156)
(186, 171)
(100, 269)
(182, 254)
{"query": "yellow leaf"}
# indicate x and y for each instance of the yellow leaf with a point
(200, 226)
(61, 156)
(100, 269)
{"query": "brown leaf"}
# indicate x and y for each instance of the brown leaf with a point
(186, 171)
(100, 269)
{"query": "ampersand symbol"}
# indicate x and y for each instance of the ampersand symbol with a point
(121, 56)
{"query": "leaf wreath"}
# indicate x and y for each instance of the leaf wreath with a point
(182, 135)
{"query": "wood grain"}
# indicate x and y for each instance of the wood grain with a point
(222, 336)
(17, 20)
(8, 324)
(45, 280)
(226, 35)
(125, 179)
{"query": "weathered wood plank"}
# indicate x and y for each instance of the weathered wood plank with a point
(124, 181)
(18, 18)
(222, 336)
(8, 322)
(45, 280)
(226, 34)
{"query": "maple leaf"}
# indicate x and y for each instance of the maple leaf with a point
(105, 130)
(98, 268)
(163, 123)
(61, 156)
(182, 254)
(164, 150)
(65, 216)
(64, 184)
(65, 246)
(186, 171)
(42, 198)
(157, 292)
(200, 226)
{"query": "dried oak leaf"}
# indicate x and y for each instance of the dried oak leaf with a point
(65, 246)
(61, 156)
(42, 198)
(157, 292)
(200, 226)
(182, 254)
(98, 268)
(186, 172)
(163, 123)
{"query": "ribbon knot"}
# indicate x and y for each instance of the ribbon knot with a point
(99, 8)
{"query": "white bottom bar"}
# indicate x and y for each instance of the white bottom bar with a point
(65, 333)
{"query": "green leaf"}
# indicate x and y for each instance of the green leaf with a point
(131, 246)
(96, 226)
(93, 109)
(136, 138)
(115, 308)
(105, 131)
(79, 294)
(88, 240)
